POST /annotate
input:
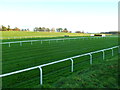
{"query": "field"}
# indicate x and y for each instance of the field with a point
(19, 57)
(24, 34)
(105, 76)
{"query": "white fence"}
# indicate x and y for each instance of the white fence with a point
(31, 41)
(9, 43)
(70, 58)
(22, 37)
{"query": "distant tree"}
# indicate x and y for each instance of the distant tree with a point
(28, 29)
(59, 29)
(0, 27)
(43, 29)
(53, 30)
(39, 29)
(16, 29)
(47, 30)
(22, 29)
(65, 30)
(36, 29)
(25, 29)
(4, 28)
(8, 28)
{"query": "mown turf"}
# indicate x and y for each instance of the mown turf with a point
(22, 34)
(100, 75)
(19, 57)
(42, 38)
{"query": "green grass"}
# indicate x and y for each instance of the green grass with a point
(39, 38)
(100, 75)
(19, 57)
(6, 34)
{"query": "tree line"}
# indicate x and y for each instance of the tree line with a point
(38, 29)
(8, 28)
(43, 29)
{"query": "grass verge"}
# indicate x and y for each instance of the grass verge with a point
(99, 75)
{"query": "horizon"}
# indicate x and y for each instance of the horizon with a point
(75, 15)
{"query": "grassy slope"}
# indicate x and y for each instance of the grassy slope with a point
(38, 38)
(17, 57)
(100, 75)
(41, 34)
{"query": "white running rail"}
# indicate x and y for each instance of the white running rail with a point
(17, 37)
(70, 58)
(36, 40)
(9, 43)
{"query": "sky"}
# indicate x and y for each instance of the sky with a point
(75, 15)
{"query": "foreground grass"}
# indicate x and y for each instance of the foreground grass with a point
(19, 57)
(99, 75)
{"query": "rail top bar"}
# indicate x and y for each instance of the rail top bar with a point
(43, 40)
(7, 74)
(36, 40)
(15, 72)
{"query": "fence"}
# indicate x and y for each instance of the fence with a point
(22, 37)
(71, 59)
(31, 41)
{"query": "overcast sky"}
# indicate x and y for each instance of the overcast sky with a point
(76, 15)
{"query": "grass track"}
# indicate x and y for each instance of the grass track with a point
(19, 57)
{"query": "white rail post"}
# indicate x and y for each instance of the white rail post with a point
(40, 68)
(112, 51)
(103, 54)
(9, 44)
(20, 43)
(71, 64)
(90, 58)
